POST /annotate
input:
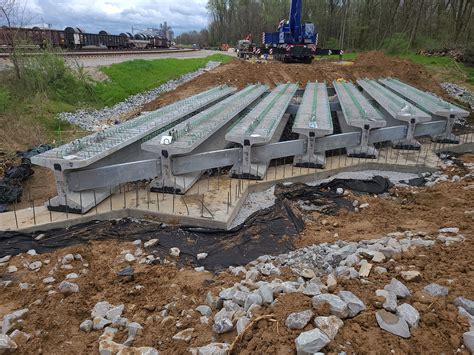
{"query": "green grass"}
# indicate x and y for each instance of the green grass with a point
(349, 56)
(446, 68)
(133, 77)
(28, 110)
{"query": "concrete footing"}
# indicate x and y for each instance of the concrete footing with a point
(214, 201)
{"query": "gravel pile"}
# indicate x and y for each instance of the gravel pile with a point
(459, 92)
(334, 262)
(95, 120)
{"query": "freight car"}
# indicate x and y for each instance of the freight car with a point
(31, 37)
(75, 39)
(144, 41)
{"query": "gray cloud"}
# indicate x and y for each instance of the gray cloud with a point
(115, 16)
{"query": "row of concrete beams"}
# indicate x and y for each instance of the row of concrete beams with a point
(203, 132)
(395, 109)
(195, 148)
(82, 179)
(262, 125)
(357, 115)
(437, 107)
(313, 120)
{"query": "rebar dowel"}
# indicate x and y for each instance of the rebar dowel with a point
(185, 204)
(80, 200)
(49, 210)
(67, 208)
(95, 202)
(136, 195)
(14, 212)
(34, 214)
(110, 198)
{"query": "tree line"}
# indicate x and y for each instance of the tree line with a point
(346, 24)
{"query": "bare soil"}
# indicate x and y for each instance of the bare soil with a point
(240, 73)
(54, 323)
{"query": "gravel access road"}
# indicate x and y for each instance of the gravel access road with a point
(108, 60)
(90, 62)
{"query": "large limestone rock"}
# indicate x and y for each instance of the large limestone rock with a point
(311, 342)
(337, 306)
(299, 320)
(329, 325)
(392, 323)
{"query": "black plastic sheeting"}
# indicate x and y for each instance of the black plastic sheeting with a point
(10, 184)
(416, 182)
(262, 233)
(34, 151)
(268, 231)
(312, 198)
(376, 185)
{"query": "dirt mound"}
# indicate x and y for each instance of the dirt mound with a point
(240, 73)
(375, 65)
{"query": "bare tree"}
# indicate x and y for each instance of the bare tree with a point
(12, 14)
(355, 24)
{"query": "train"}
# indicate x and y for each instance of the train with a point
(74, 38)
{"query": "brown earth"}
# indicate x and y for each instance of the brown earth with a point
(240, 73)
(54, 323)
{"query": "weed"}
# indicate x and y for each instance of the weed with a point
(4, 99)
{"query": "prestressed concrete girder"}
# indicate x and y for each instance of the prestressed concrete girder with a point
(204, 132)
(113, 175)
(262, 125)
(313, 120)
(430, 103)
(263, 153)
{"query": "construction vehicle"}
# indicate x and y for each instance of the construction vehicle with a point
(295, 41)
(224, 47)
(245, 48)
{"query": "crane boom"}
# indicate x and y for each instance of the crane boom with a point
(296, 8)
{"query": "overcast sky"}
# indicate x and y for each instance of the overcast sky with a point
(117, 16)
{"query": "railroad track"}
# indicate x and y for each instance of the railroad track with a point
(104, 53)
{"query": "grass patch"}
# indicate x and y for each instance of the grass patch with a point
(133, 77)
(29, 105)
(445, 68)
(4, 99)
(350, 56)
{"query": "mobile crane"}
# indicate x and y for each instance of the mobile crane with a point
(295, 41)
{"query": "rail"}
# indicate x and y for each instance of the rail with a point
(99, 53)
